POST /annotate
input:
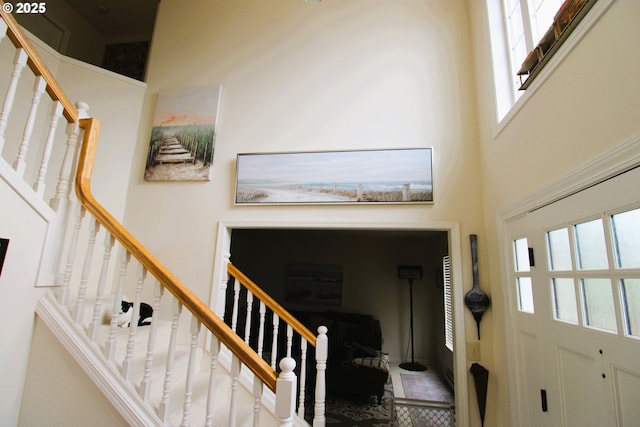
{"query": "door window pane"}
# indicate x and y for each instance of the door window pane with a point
(525, 295)
(598, 304)
(626, 235)
(592, 252)
(521, 255)
(559, 250)
(630, 289)
(564, 300)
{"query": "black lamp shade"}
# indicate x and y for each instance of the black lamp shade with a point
(410, 271)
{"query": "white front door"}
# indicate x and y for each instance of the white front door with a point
(576, 310)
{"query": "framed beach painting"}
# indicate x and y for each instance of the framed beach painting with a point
(359, 176)
(183, 135)
(317, 284)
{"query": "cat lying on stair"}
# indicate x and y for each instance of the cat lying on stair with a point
(124, 316)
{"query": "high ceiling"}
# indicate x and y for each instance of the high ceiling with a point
(118, 18)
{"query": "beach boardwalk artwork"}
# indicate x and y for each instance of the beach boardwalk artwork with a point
(183, 136)
(366, 176)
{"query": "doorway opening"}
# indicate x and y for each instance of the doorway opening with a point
(367, 257)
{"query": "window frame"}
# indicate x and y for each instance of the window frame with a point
(507, 100)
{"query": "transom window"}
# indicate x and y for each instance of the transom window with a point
(523, 31)
(527, 22)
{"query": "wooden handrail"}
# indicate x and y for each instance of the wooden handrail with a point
(194, 304)
(37, 65)
(272, 304)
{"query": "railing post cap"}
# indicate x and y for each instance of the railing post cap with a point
(83, 109)
(287, 365)
(322, 330)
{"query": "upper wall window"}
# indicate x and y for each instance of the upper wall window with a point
(527, 34)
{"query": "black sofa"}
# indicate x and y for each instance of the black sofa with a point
(356, 366)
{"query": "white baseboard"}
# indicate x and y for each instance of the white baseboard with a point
(126, 401)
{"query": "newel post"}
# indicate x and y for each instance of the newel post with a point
(286, 386)
(322, 351)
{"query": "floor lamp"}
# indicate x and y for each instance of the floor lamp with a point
(411, 272)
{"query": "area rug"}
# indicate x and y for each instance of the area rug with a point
(428, 386)
(343, 412)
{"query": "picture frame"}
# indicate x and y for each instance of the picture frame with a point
(335, 177)
(182, 140)
(315, 284)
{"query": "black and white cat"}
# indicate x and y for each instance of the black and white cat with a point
(125, 313)
(144, 318)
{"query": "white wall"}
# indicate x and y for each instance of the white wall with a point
(58, 392)
(25, 230)
(310, 76)
(300, 76)
(587, 106)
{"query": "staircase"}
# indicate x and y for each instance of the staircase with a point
(190, 366)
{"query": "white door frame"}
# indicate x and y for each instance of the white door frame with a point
(223, 249)
(619, 159)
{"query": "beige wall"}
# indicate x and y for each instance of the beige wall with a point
(304, 76)
(58, 392)
(297, 76)
(25, 230)
(587, 106)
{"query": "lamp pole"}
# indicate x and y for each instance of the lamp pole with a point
(412, 366)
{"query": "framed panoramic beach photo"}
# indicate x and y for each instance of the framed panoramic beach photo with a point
(363, 176)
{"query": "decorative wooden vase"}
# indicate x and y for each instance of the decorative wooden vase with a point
(476, 300)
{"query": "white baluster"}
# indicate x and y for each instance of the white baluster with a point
(303, 376)
(92, 332)
(286, 392)
(247, 324)
(110, 346)
(321, 367)
(56, 113)
(61, 201)
(236, 300)
(21, 161)
(274, 344)
(215, 350)
(3, 29)
(257, 400)
(67, 168)
(235, 375)
(289, 339)
(127, 364)
(145, 384)
(188, 393)
(263, 312)
(71, 256)
(163, 410)
(223, 283)
(94, 227)
(19, 61)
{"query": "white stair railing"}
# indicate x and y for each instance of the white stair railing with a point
(27, 143)
(285, 336)
(172, 383)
